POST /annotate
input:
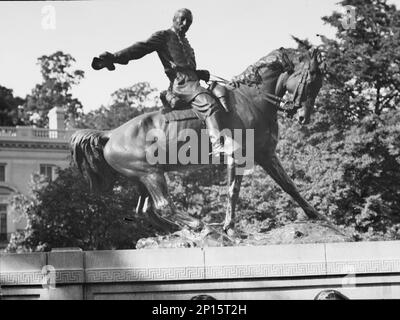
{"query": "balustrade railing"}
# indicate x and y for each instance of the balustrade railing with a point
(31, 133)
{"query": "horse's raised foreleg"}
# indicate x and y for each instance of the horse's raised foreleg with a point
(157, 187)
(234, 182)
(273, 167)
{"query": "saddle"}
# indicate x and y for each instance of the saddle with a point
(172, 103)
(178, 120)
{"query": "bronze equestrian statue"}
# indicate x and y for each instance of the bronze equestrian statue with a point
(254, 100)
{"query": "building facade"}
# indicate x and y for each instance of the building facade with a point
(23, 152)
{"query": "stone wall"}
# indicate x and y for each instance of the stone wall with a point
(367, 270)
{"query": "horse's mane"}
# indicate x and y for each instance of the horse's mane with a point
(296, 55)
(282, 58)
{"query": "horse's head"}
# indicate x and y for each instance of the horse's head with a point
(302, 79)
(305, 82)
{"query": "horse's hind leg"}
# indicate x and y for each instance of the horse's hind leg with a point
(143, 194)
(273, 167)
(157, 187)
(144, 206)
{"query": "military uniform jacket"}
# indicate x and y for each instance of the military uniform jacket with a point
(177, 57)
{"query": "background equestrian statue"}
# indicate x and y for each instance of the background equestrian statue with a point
(178, 59)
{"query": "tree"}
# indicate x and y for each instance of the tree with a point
(58, 79)
(64, 213)
(10, 115)
(200, 193)
(364, 67)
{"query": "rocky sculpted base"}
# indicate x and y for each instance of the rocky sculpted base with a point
(293, 233)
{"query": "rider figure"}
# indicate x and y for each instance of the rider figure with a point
(178, 59)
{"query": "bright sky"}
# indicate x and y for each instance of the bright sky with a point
(226, 35)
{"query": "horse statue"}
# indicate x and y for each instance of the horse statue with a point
(254, 104)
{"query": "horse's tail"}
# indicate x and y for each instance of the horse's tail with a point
(87, 154)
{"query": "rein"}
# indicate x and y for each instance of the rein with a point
(290, 106)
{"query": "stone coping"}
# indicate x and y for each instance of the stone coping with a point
(210, 263)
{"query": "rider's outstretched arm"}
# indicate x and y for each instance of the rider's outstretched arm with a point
(141, 48)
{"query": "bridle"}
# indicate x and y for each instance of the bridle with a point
(290, 106)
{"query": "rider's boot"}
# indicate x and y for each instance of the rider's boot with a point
(221, 93)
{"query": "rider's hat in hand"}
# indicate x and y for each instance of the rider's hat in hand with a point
(105, 60)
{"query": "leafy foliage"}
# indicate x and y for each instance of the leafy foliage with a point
(9, 112)
(64, 213)
(58, 79)
(200, 193)
(364, 69)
